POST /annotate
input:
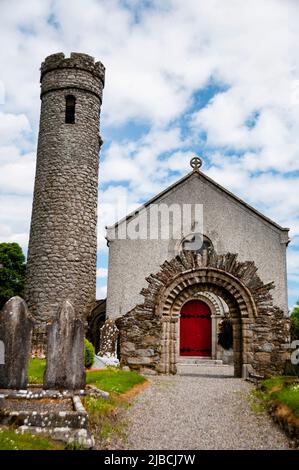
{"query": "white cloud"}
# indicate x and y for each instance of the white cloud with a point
(293, 261)
(12, 126)
(101, 292)
(102, 272)
(158, 56)
(15, 213)
(276, 195)
(17, 176)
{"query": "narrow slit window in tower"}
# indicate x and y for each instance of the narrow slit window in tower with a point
(70, 102)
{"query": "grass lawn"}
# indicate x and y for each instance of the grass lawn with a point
(112, 379)
(36, 370)
(10, 440)
(105, 415)
(283, 390)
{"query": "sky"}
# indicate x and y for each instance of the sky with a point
(212, 78)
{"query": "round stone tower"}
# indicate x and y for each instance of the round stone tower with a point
(63, 240)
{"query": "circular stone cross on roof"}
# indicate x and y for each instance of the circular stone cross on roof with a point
(196, 163)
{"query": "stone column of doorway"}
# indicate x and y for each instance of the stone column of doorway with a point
(214, 336)
(246, 342)
(237, 346)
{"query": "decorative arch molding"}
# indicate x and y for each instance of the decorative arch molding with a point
(149, 331)
(192, 293)
(213, 280)
(239, 279)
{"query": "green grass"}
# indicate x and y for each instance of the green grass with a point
(105, 419)
(111, 379)
(114, 380)
(257, 402)
(36, 370)
(290, 397)
(111, 429)
(273, 383)
(10, 440)
(105, 415)
(284, 390)
(98, 407)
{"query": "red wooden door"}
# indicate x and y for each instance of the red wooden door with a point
(195, 329)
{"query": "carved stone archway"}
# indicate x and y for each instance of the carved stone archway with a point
(189, 294)
(171, 314)
(148, 332)
(214, 304)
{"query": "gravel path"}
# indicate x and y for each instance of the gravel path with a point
(203, 408)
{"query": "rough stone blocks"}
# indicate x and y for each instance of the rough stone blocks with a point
(63, 242)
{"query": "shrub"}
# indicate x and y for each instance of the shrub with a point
(225, 336)
(88, 354)
(295, 322)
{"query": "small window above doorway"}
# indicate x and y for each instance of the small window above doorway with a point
(196, 242)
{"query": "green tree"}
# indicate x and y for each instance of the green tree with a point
(295, 322)
(12, 271)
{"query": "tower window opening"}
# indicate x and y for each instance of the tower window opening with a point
(70, 103)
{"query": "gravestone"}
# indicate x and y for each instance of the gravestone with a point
(65, 351)
(108, 343)
(15, 339)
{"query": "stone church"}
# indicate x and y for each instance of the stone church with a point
(190, 258)
(170, 292)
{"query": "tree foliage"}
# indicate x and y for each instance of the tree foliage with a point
(12, 271)
(295, 322)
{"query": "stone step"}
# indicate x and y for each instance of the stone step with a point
(189, 360)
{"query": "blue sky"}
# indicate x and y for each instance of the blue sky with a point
(220, 79)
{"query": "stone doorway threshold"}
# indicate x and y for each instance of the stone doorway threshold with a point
(197, 360)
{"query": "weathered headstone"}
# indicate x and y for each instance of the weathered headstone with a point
(15, 338)
(108, 342)
(65, 351)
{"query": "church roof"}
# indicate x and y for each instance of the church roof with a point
(199, 174)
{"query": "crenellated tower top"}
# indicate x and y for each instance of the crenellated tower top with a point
(87, 74)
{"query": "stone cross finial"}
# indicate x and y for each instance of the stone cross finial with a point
(196, 163)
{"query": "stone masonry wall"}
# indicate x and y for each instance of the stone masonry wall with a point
(148, 333)
(63, 241)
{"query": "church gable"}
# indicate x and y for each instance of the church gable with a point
(197, 188)
(139, 243)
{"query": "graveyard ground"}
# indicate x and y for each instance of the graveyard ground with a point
(103, 413)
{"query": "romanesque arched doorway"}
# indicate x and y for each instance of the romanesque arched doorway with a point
(196, 284)
(195, 332)
(150, 331)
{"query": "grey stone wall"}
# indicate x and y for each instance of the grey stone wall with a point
(63, 242)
